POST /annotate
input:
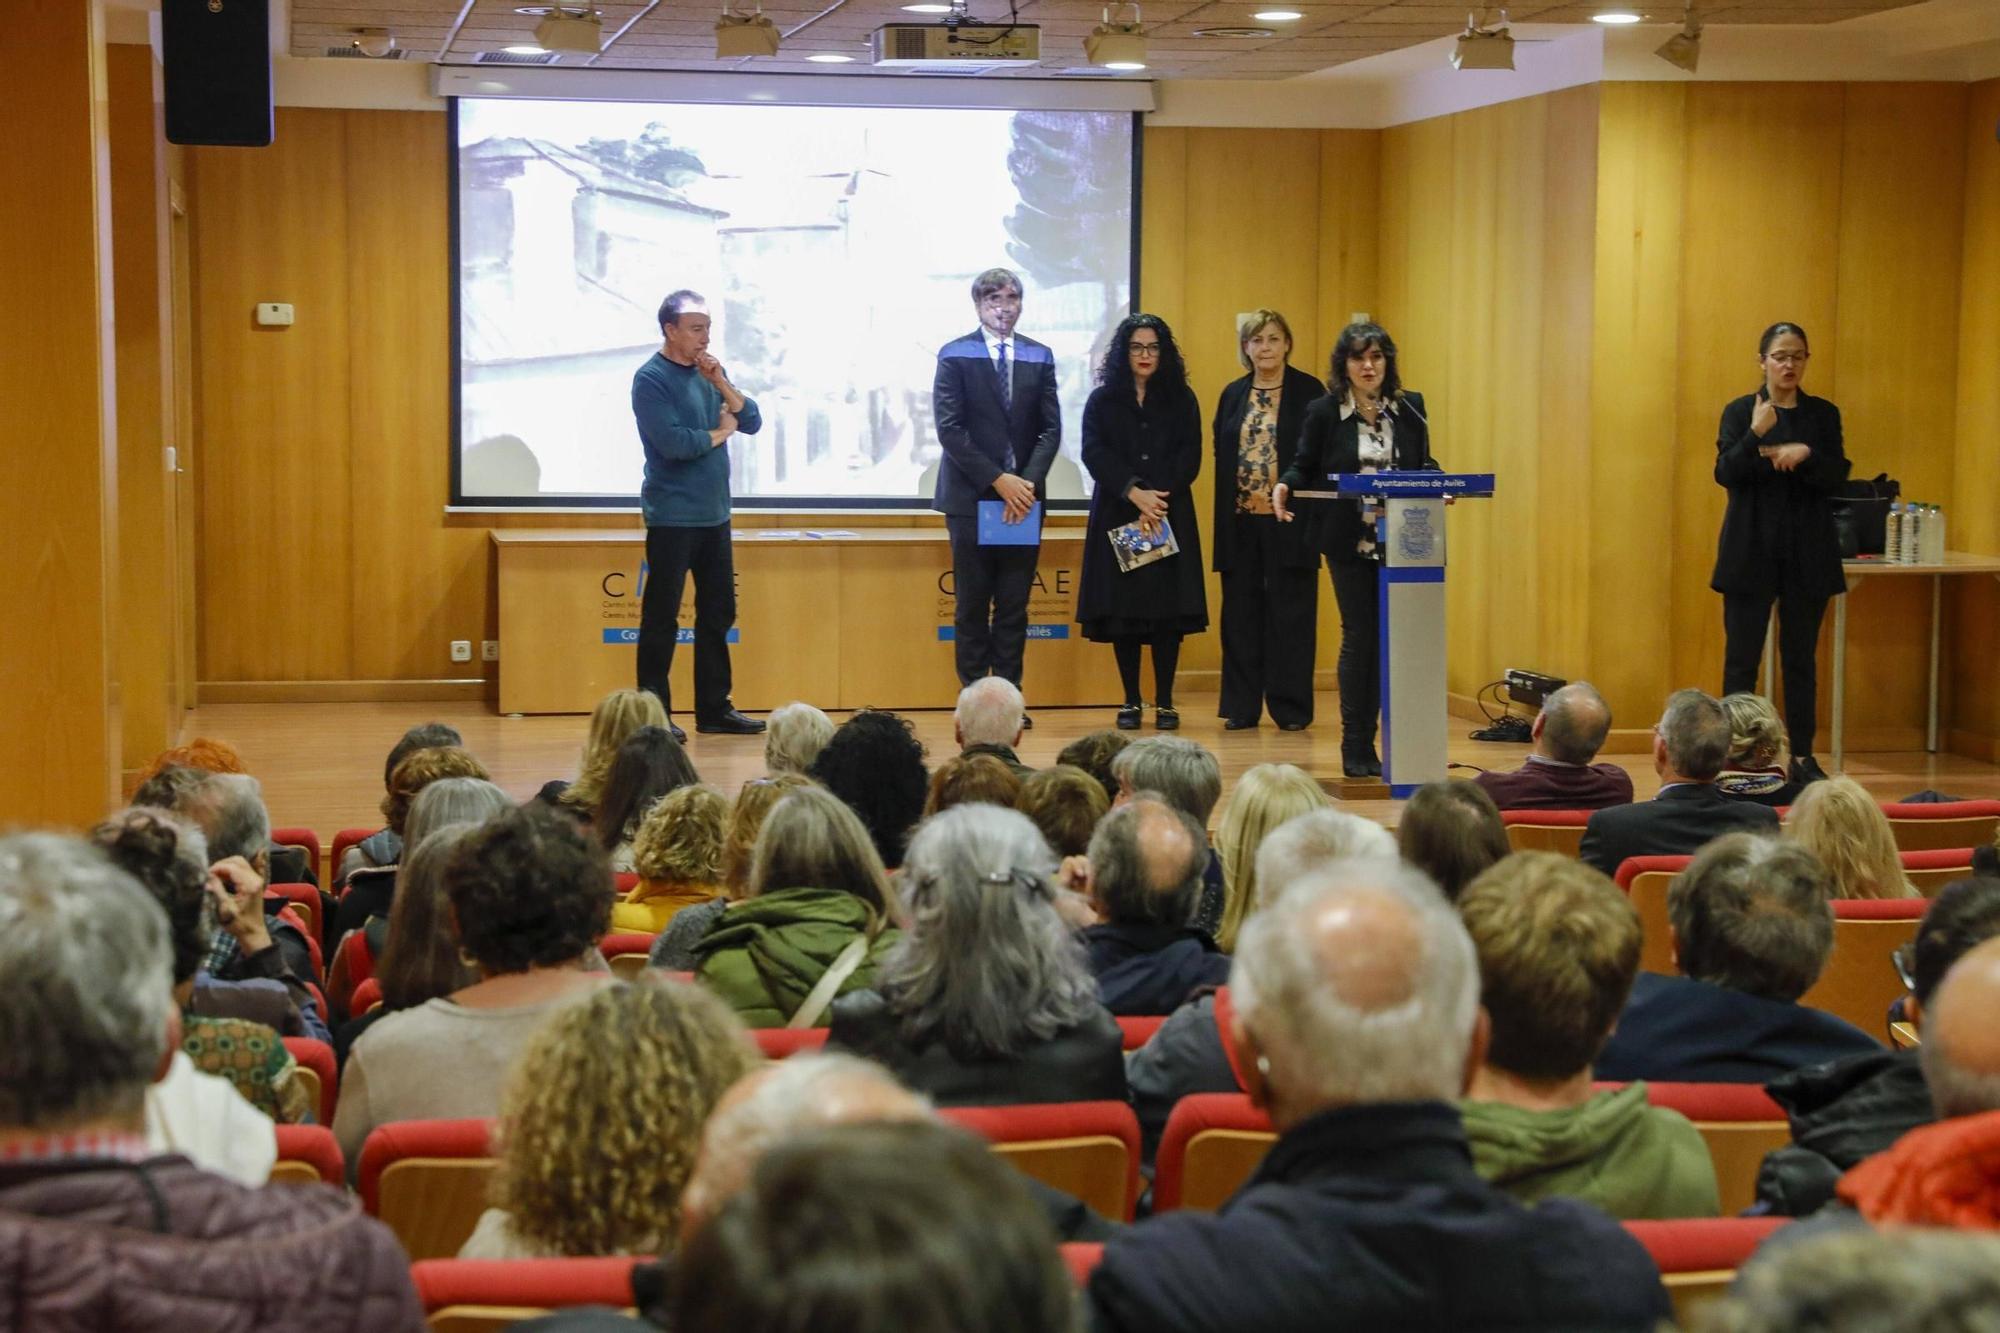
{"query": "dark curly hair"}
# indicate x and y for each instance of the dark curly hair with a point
(875, 763)
(169, 856)
(530, 889)
(425, 736)
(1093, 754)
(1115, 371)
(1354, 340)
(648, 765)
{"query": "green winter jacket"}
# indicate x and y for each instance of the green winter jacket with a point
(764, 955)
(1630, 1159)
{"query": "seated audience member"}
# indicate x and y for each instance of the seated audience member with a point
(384, 847)
(100, 1232)
(1094, 753)
(1065, 803)
(287, 865)
(617, 715)
(965, 779)
(818, 903)
(793, 737)
(1146, 860)
(531, 895)
(1188, 778)
(1558, 774)
(1839, 822)
(674, 949)
(602, 1119)
(421, 959)
(1186, 1055)
(678, 854)
(991, 718)
(1267, 796)
(1451, 831)
(987, 999)
(875, 765)
(1689, 745)
(1850, 1109)
(1558, 948)
(1758, 768)
(1357, 1024)
(648, 765)
(442, 803)
(1853, 1281)
(1751, 933)
(371, 889)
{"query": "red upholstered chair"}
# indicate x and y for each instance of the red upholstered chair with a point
(1139, 1028)
(1545, 830)
(626, 881)
(308, 1155)
(1740, 1124)
(626, 951)
(1212, 1144)
(1645, 880)
(1919, 827)
(342, 840)
(475, 1295)
(1081, 1259)
(353, 963)
(426, 1180)
(777, 1043)
(303, 899)
(1086, 1149)
(366, 996)
(315, 1058)
(304, 840)
(1698, 1257)
(1933, 868)
(1860, 982)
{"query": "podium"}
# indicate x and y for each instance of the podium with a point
(1410, 534)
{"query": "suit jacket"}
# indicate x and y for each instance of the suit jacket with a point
(1300, 392)
(1327, 443)
(1677, 822)
(1540, 786)
(1679, 1030)
(976, 429)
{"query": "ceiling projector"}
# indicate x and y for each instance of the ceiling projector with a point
(957, 42)
(578, 30)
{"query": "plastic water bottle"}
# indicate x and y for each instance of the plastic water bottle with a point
(1936, 532)
(1892, 542)
(1913, 535)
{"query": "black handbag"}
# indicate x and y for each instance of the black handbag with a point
(1861, 515)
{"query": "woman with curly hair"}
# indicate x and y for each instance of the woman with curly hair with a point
(678, 854)
(601, 1121)
(1142, 445)
(794, 736)
(674, 950)
(617, 715)
(648, 765)
(1756, 769)
(875, 763)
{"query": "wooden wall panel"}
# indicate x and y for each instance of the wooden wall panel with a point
(1973, 516)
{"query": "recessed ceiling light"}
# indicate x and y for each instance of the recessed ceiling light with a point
(1615, 17)
(1236, 32)
(927, 9)
(528, 49)
(1277, 15)
(1125, 66)
(829, 58)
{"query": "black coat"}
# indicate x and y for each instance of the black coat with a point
(1327, 444)
(1778, 534)
(1677, 822)
(1300, 392)
(1679, 1030)
(1085, 1063)
(1841, 1113)
(976, 429)
(1371, 1217)
(1156, 446)
(1145, 968)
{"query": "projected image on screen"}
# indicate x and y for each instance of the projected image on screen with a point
(836, 247)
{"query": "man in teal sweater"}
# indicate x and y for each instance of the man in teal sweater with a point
(686, 410)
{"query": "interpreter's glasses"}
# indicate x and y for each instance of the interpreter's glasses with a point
(1789, 358)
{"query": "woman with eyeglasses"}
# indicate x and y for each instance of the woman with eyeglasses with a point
(1142, 445)
(1778, 453)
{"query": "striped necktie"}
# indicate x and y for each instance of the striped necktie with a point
(1006, 379)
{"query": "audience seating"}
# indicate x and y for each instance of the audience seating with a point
(1139, 1028)
(353, 963)
(308, 1155)
(1931, 869)
(426, 1179)
(366, 996)
(1545, 830)
(1860, 982)
(303, 840)
(777, 1043)
(1645, 880)
(289, 914)
(1212, 1144)
(1740, 1124)
(1920, 827)
(315, 1060)
(479, 1295)
(625, 881)
(1698, 1257)
(303, 899)
(626, 951)
(1086, 1149)
(342, 840)
(1081, 1259)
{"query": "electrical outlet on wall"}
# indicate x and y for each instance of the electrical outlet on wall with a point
(489, 650)
(461, 650)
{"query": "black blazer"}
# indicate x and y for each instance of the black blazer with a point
(1677, 822)
(1300, 391)
(1778, 534)
(976, 429)
(1329, 444)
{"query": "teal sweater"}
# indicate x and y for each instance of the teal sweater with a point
(687, 478)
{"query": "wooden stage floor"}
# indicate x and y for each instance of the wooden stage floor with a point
(321, 764)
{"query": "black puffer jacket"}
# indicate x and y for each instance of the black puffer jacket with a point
(110, 1246)
(1841, 1112)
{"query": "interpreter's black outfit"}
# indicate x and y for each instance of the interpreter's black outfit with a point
(1270, 583)
(1778, 545)
(1336, 438)
(1157, 447)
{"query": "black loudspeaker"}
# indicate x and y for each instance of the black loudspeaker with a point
(217, 60)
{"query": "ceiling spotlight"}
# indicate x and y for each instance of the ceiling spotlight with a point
(1277, 15)
(830, 58)
(1615, 17)
(1683, 49)
(1119, 46)
(374, 42)
(739, 35)
(576, 30)
(1484, 45)
(927, 9)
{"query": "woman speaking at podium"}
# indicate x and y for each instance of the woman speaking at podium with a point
(1778, 453)
(1367, 423)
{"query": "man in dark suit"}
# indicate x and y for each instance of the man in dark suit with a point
(1689, 746)
(1568, 733)
(999, 424)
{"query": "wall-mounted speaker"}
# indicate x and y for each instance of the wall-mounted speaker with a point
(216, 55)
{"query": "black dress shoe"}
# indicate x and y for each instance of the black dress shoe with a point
(1167, 719)
(731, 723)
(1128, 717)
(1238, 723)
(1373, 761)
(1293, 726)
(1353, 766)
(1806, 769)
(680, 737)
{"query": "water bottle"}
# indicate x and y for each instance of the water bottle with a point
(1937, 534)
(1892, 542)
(1913, 535)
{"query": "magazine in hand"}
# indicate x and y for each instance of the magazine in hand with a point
(1135, 547)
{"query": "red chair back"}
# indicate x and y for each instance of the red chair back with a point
(1139, 1028)
(1081, 1259)
(778, 1043)
(306, 841)
(316, 1056)
(303, 899)
(1860, 981)
(626, 881)
(627, 952)
(1920, 827)
(308, 1155)
(466, 1294)
(426, 1180)
(1545, 830)
(1646, 880)
(366, 996)
(1698, 1257)
(354, 963)
(1930, 870)
(1212, 1144)
(1086, 1149)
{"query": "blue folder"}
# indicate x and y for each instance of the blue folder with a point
(994, 530)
